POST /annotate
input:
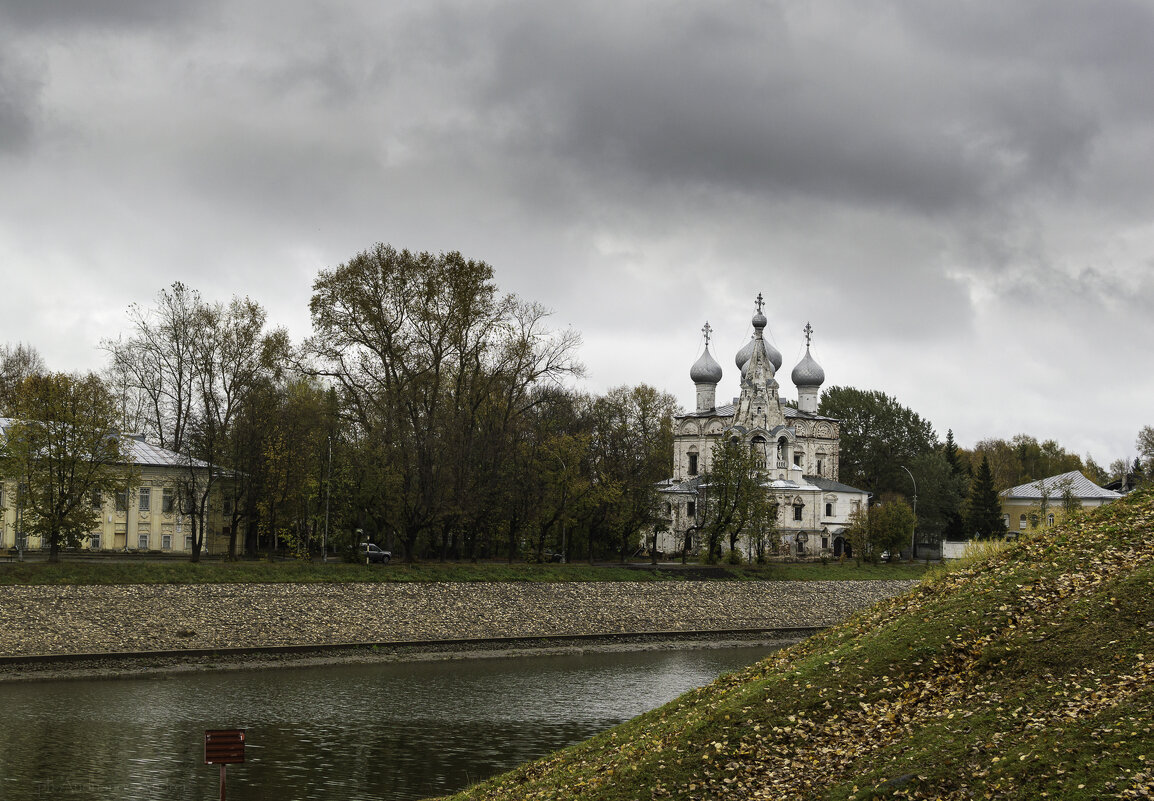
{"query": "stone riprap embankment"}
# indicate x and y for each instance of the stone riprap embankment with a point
(47, 620)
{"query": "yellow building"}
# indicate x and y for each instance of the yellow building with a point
(145, 517)
(1022, 505)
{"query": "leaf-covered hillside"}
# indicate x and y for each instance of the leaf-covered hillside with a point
(1026, 674)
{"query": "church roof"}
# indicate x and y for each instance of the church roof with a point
(672, 485)
(829, 485)
(728, 409)
(1081, 486)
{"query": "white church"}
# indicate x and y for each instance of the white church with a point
(798, 450)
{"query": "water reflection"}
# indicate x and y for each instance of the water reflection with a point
(389, 731)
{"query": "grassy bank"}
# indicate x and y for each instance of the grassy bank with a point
(1027, 673)
(176, 572)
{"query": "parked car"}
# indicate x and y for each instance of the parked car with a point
(371, 553)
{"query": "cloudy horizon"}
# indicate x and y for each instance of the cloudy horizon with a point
(956, 196)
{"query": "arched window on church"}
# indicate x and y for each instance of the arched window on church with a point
(782, 445)
(693, 463)
(1022, 523)
(757, 449)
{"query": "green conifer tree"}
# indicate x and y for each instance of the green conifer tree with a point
(984, 518)
(955, 524)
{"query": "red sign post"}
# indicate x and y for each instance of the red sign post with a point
(223, 747)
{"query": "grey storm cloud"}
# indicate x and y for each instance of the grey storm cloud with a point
(108, 14)
(18, 104)
(771, 105)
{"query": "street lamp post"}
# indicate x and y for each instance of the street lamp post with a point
(913, 533)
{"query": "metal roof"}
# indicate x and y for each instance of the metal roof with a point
(143, 453)
(672, 485)
(807, 372)
(1081, 486)
(729, 409)
(829, 485)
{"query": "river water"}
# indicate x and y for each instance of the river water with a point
(336, 733)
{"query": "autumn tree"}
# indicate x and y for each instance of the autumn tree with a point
(156, 364)
(1145, 446)
(62, 448)
(1023, 459)
(631, 449)
(560, 429)
(189, 364)
(232, 352)
(17, 363)
(424, 349)
(891, 526)
(857, 534)
(290, 503)
(1094, 471)
(733, 498)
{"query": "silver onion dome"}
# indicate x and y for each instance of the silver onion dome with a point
(774, 355)
(705, 370)
(746, 353)
(807, 372)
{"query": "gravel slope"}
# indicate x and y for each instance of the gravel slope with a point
(47, 620)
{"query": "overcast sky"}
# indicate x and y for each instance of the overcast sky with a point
(958, 197)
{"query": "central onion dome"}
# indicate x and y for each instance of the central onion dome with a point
(705, 370)
(807, 372)
(746, 353)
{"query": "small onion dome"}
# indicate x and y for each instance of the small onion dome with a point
(705, 370)
(807, 372)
